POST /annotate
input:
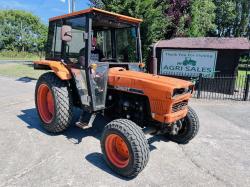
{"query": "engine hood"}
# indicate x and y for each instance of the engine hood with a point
(121, 75)
(162, 92)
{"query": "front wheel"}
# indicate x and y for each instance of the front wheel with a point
(125, 147)
(53, 102)
(189, 128)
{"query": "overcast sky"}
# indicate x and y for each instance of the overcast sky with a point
(43, 8)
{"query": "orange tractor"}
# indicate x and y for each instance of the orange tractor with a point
(96, 62)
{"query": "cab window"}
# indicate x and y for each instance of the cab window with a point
(104, 43)
(77, 44)
(53, 48)
(126, 45)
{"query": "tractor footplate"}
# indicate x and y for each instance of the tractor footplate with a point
(84, 125)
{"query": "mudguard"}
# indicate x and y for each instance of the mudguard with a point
(58, 67)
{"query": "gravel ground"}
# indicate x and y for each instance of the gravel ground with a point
(218, 156)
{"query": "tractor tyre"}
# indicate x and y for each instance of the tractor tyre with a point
(190, 128)
(125, 147)
(53, 103)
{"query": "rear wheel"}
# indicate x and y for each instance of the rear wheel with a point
(189, 128)
(53, 102)
(125, 147)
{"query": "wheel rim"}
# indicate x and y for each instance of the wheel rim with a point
(117, 150)
(45, 102)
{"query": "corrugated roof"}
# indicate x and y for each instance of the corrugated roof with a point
(206, 43)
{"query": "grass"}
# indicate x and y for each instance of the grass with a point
(20, 58)
(241, 79)
(15, 55)
(243, 73)
(19, 70)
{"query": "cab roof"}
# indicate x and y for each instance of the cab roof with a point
(96, 10)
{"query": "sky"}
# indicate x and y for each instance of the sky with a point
(44, 9)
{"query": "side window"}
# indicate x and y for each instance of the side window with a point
(76, 47)
(57, 43)
(49, 53)
(53, 48)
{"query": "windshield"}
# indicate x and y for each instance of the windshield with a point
(117, 42)
(126, 45)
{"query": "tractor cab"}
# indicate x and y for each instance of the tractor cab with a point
(91, 41)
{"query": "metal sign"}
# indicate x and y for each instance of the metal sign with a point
(188, 62)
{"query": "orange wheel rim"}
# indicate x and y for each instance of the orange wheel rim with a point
(117, 150)
(45, 102)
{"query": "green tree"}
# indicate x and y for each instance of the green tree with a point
(178, 11)
(203, 18)
(165, 19)
(22, 31)
(154, 22)
(225, 17)
(232, 17)
(242, 20)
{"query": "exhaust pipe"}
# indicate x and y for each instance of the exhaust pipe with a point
(154, 65)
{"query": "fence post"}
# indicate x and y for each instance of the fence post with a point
(199, 86)
(247, 88)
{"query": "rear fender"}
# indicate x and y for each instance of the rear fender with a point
(58, 67)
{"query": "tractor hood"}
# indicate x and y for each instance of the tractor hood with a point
(144, 82)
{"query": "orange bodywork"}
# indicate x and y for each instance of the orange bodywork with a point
(58, 67)
(158, 89)
(119, 16)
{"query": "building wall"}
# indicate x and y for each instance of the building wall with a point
(227, 62)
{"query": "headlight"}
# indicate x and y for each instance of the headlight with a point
(182, 91)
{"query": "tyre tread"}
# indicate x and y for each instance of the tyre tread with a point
(138, 142)
(195, 124)
(63, 102)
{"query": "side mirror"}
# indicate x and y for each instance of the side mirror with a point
(66, 34)
(85, 35)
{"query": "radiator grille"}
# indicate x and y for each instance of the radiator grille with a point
(179, 106)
